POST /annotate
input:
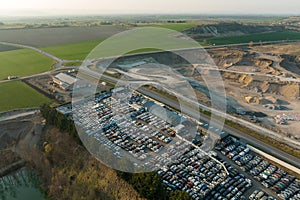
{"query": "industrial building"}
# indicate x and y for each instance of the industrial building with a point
(64, 81)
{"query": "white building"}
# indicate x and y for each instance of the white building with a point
(65, 81)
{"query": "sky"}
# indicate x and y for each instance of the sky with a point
(77, 7)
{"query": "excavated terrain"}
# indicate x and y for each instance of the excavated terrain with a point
(260, 81)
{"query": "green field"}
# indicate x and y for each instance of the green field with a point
(264, 37)
(23, 62)
(79, 50)
(173, 26)
(115, 46)
(73, 51)
(144, 50)
(15, 95)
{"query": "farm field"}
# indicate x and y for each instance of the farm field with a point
(174, 26)
(23, 62)
(41, 37)
(73, 51)
(79, 51)
(264, 37)
(17, 94)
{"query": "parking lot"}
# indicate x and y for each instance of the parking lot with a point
(130, 127)
(270, 176)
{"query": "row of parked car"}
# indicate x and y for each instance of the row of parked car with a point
(154, 121)
(231, 188)
(86, 117)
(285, 185)
(144, 136)
(137, 99)
(260, 195)
(193, 172)
(92, 115)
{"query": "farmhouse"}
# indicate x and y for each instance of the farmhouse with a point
(65, 81)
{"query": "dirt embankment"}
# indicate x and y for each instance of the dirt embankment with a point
(291, 63)
(286, 89)
(225, 58)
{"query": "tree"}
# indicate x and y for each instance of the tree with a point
(179, 195)
(48, 149)
(148, 185)
(60, 121)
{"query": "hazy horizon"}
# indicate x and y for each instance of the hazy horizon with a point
(115, 7)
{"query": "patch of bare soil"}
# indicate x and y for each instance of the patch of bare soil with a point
(8, 157)
(10, 132)
(286, 89)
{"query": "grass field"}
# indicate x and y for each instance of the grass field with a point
(23, 62)
(144, 50)
(73, 51)
(16, 95)
(264, 37)
(79, 51)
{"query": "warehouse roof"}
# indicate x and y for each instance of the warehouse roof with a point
(66, 78)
